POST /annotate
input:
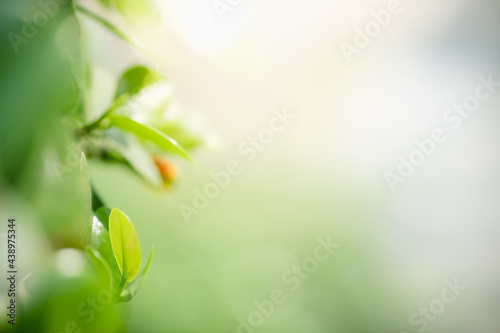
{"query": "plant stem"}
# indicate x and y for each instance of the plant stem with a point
(118, 295)
(119, 101)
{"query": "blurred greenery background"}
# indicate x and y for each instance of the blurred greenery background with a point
(102, 101)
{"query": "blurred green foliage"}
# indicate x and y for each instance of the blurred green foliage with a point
(46, 140)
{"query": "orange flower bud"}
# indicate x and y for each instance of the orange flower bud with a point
(168, 170)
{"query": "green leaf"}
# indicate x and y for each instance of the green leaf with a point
(100, 241)
(149, 133)
(102, 267)
(101, 217)
(136, 155)
(125, 244)
(133, 287)
(135, 79)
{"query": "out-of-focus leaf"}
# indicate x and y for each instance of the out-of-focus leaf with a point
(125, 244)
(64, 177)
(101, 92)
(135, 79)
(133, 7)
(111, 27)
(142, 16)
(187, 137)
(188, 127)
(34, 75)
(106, 3)
(146, 132)
(96, 200)
(70, 42)
(133, 287)
(136, 155)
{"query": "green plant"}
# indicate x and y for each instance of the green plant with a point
(116, 253)
(52, 132)
(52, 128)
(113, 244)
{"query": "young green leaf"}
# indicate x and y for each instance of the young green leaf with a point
(100, 241)
(135, 79)
(125, 244)
(133, 287)
(149, 133)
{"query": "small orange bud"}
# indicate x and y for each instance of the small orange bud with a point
(167, 169)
